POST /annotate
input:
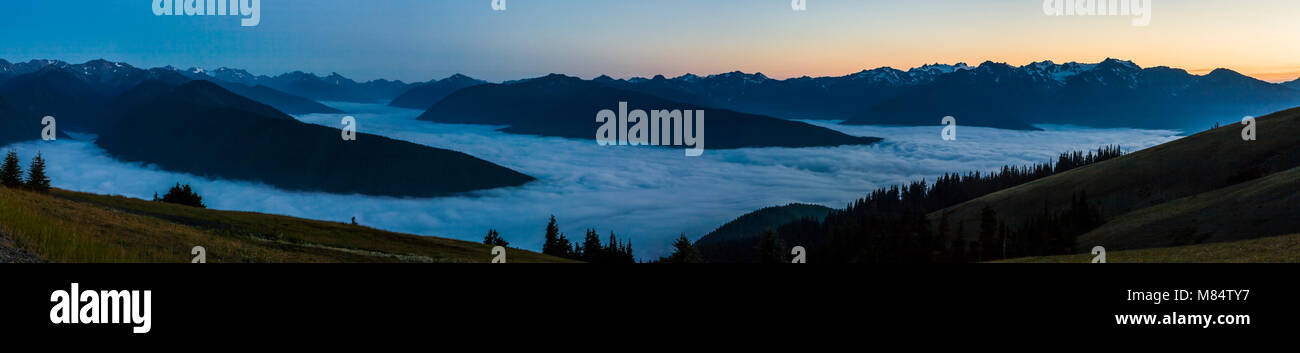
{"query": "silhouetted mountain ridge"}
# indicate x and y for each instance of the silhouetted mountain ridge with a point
(425, 95)
(559, 105)
(200, 128)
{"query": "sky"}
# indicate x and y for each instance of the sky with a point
(418, 40)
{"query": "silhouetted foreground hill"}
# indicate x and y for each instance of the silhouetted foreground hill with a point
(203, 129)
(1212, 186)
(1272, 249)
(558, 105)
(744, 231)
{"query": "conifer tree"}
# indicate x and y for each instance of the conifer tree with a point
(493, 238)
(11, 175)
(183, 195)
(771, 249)
(591, 249)
(683, 253)
(36, 178)
(550, 245)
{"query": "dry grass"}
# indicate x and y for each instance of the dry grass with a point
(67, 226)
(1195, 165)
(1277, 249)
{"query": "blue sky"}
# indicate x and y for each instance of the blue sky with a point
(416, 40)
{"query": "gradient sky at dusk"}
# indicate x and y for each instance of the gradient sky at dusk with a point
(416, 40)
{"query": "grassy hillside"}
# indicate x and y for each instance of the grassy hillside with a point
(1217, 161)
(66, 226)
(1258, 208)
(1285, 248)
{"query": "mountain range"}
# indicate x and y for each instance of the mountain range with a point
(111, 78)
(565, 106)
(1293, 84)
(333, 87)
(1111, 93)
(160, 117)
(424, 95)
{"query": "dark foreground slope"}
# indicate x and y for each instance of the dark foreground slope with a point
(202, 129)
(1273, 249)
(1212, 186)
(66, 226)
(563, 106)
(744, 231)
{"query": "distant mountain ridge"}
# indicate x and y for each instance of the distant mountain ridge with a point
(565, 106)
(334, 87)
(112, 78)
(424, 95)
(1111, 93)
(1293, 84)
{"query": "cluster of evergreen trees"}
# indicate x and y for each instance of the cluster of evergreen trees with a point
(1047, 233)
(890, 225)
(11, 174)
(683, 253)
(184, 195)
(590, 250)
(493, 238)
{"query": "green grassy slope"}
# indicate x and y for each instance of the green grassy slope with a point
(1194, 165)
(1258, 208)
(66, 226)
(1275, 249)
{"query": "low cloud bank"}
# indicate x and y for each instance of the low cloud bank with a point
(648, 194)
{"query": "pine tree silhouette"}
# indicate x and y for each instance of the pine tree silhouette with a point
(771, 250)
(684, 253)
(183, 195)
(11, 175)
(493, 238)
(36, 178)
